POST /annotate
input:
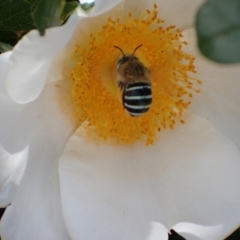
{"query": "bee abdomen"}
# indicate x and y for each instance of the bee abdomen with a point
(137, 98)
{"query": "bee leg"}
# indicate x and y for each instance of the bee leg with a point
(121, 85)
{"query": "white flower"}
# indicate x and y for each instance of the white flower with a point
(188, 180)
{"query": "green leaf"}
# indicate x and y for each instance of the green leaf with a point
(234, 236)
(218, 30)
(88, 6)
(174, 236)
(16, 15)
(15, 19)
(48, 14)
(9, 37)
(4, 47)
(68, 10)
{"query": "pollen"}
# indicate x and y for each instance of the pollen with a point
(97, 95)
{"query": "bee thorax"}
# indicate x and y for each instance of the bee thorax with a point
(135, 69)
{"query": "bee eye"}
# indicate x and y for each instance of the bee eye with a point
(119, 61)
(122, 60)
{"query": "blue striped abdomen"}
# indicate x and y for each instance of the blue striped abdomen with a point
(137, 98)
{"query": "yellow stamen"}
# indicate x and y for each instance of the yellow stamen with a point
(94, 78)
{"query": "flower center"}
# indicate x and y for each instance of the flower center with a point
(96, 89)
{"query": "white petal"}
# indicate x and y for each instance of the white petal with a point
(157, 230)
(219, 99)
(179, 13)
(190, 174)
(4, 58)
(12, 167)
(103, 6)
(43, 127)
(31, 59)
(193, 231)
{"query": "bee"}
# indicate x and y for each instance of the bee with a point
(133, 80)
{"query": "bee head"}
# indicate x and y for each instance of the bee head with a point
(130, 54)
(128, 57)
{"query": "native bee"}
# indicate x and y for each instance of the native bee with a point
(133, 80)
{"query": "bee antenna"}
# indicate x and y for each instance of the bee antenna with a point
(136, 49)
(120, 50)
